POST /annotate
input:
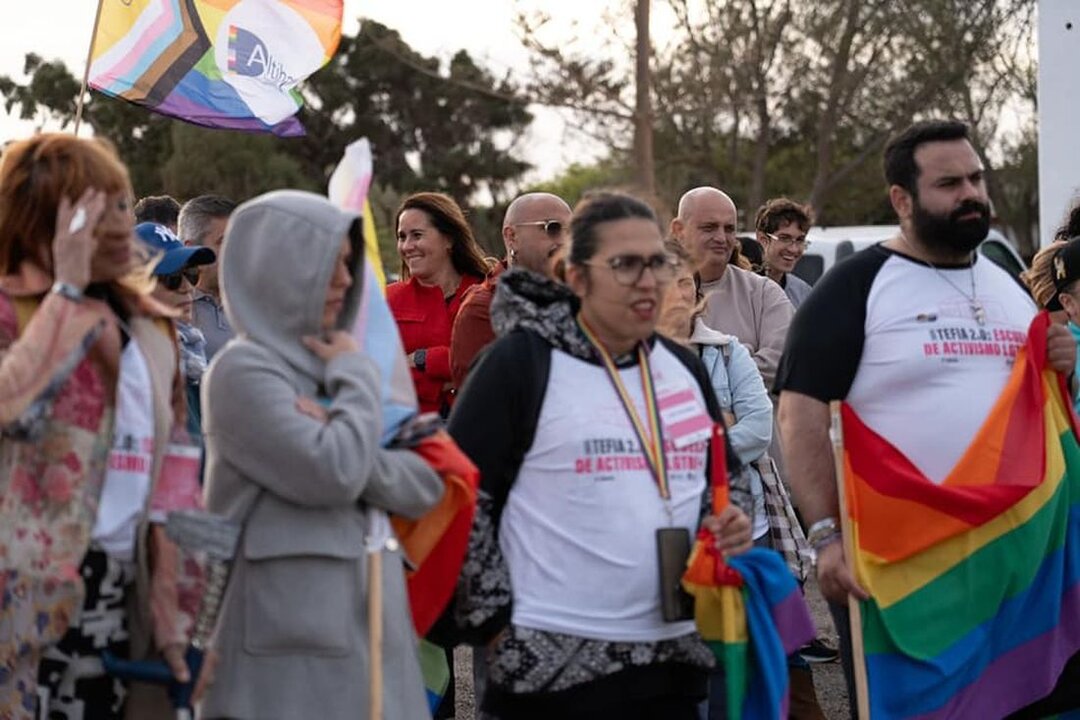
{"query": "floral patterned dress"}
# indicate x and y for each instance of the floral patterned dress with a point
(59, 364)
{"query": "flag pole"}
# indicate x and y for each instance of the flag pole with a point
(858, 654)
(86, 70)
(375, 632)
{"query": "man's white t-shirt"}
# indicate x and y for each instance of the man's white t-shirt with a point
(899, 341)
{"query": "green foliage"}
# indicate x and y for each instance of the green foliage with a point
(578, 179)
(50, 94)
(431, 127)
(233, 164)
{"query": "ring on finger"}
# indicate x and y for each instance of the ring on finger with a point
(78, 220)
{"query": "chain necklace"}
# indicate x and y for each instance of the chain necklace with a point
(977, 310)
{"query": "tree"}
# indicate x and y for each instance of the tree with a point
(452, 131)
(452, 128)
(645, 176)
(236, 165)
(763, 97)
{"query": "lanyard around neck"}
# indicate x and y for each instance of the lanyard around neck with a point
(652, 442)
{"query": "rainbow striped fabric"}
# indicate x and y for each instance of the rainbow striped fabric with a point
(220, 63)
(975, 582)
(752, 614)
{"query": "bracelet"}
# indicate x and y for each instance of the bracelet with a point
(821, 543)
(68, 291)
(821, 530)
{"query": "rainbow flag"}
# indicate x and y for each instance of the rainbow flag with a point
(749, 610)
(975, 582)
(232, 64)
(751, 626)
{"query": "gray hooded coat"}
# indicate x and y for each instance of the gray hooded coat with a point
(292, 637)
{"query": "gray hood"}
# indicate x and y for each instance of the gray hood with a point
(276, 265)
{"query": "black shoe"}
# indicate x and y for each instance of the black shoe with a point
(818, 652)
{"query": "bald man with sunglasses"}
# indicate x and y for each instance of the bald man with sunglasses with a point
(535, 230)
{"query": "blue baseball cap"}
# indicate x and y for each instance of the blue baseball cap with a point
(174, 255)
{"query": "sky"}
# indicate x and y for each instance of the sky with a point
(485, 28)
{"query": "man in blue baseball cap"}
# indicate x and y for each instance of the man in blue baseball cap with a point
(176, 269)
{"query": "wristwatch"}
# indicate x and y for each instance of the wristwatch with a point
(68, 291)
(823, 532)
(419, 358)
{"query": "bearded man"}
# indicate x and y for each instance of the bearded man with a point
(917, 335)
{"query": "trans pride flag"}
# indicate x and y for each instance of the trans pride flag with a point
(435, 543)
(975, 583)
(231, 64)
(375, 329)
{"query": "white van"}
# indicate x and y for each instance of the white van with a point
(829, 246)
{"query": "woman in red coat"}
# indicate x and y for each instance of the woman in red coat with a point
(440, 260)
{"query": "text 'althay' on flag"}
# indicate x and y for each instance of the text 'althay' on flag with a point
(975, 582)
(229, 64)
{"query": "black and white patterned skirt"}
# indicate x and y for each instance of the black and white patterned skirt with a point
(71, 682)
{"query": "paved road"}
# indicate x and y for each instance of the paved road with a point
(828, 678)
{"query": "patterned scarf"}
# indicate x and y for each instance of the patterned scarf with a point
(524, 299)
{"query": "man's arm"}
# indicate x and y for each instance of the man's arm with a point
(804, 429)
(472, 333)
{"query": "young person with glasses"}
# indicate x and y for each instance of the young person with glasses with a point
(536, 228)
(781, 226)
(176, 270)
(591, 435)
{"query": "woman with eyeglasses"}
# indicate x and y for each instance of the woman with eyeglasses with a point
(176, 269)
(87, 367)
(591, 433)
(440, 261)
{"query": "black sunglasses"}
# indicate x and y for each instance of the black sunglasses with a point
(553, 228)
(173, 281)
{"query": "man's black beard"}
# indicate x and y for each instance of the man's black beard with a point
(948, 233)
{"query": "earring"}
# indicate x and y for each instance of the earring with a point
(513, 254)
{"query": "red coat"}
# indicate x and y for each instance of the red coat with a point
(425, 320)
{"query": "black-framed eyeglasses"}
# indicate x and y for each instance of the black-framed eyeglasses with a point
(552, 228)
(799, 243)
(173, 281)
(628, 269)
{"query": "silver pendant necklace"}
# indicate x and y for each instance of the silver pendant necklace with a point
(977, 310)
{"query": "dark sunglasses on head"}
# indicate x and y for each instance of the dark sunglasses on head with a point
(553, 228)
(173, 281)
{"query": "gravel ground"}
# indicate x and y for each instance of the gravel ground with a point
(828, 678)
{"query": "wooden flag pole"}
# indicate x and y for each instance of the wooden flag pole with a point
(375, 632)
(86, 70)
(858, 653)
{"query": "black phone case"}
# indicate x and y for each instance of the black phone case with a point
(673, 550)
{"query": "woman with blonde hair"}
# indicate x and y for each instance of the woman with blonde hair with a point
(88, 380)
(1054, 280)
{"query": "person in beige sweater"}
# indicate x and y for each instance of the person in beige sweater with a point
(738, 302)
